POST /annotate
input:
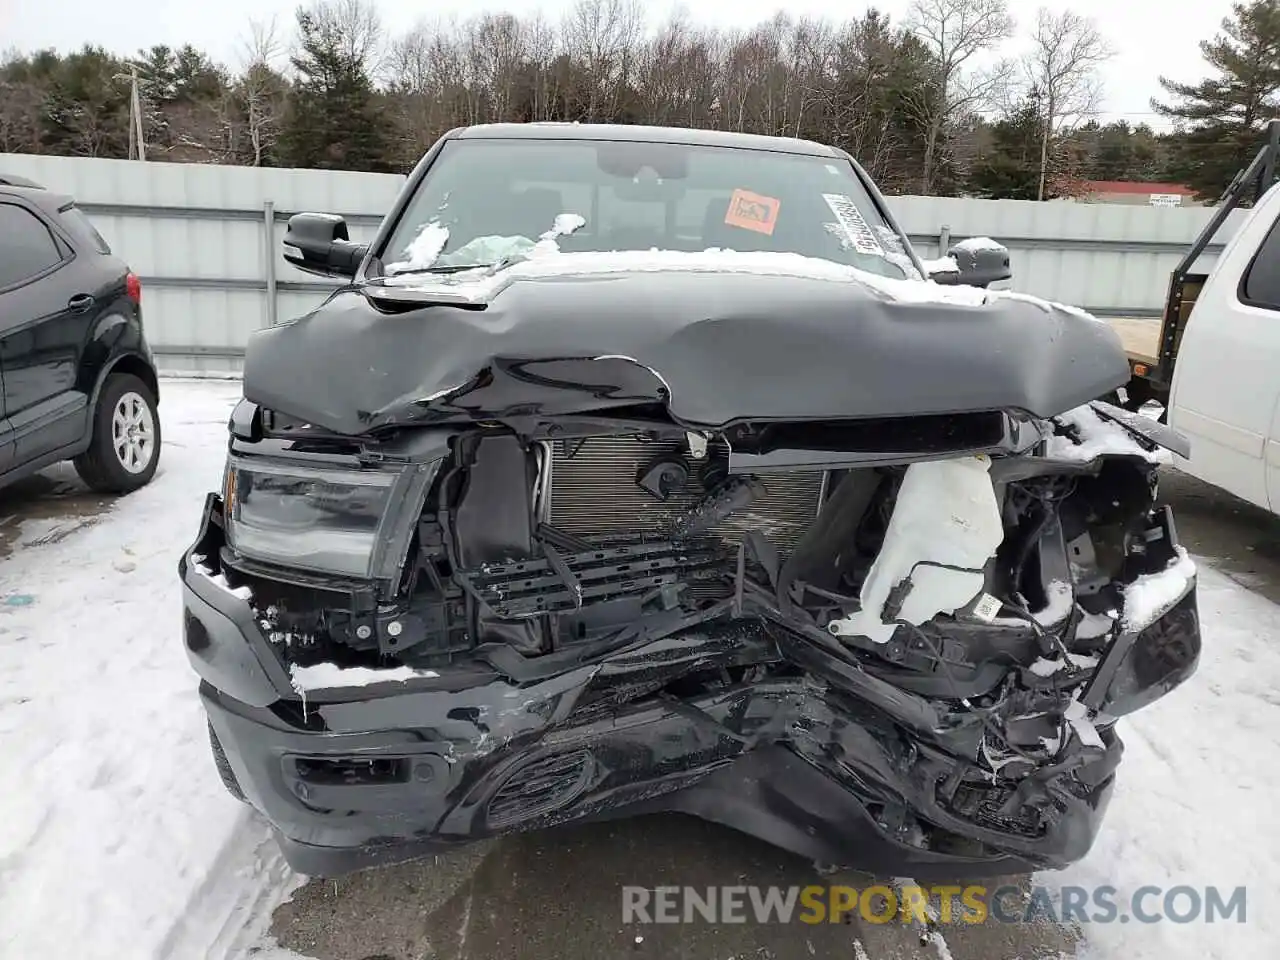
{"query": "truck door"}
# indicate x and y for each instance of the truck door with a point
(1226, 382)
(46, 313)
(7, 444)
(1273, 461)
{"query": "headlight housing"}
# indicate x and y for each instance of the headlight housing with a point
(316, 518)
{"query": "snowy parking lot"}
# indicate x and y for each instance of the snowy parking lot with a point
(118, 841)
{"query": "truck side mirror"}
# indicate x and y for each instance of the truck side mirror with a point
(318, 243)
(979, 262)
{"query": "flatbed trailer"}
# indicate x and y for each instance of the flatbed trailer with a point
(1140, 337)
(1152, 344)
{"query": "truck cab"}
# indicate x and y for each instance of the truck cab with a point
(1215, 363)
(1225, 394)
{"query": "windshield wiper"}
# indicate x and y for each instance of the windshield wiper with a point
(444, 269)
(439, 269)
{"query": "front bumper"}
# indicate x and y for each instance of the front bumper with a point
(362, 776)
(433, 796)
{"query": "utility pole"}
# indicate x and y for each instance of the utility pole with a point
(137, 143)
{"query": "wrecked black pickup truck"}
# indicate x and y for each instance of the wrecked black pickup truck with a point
(640, 470)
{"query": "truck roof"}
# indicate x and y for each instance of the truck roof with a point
(643, 134)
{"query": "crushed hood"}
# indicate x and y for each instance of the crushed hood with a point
(717, 337)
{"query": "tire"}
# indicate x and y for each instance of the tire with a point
(224, 767)
(106, 468)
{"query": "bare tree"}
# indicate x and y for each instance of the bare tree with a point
(812, 53)
(1062, 67)
(259, 89)
(353, 28)
(957, 33)
(426, 72)
(543, 43)
(263, 44)
(496, 51)
(604, 36)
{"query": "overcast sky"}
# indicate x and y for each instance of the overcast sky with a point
(1150, 36)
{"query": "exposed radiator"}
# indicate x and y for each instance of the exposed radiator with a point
(594, 494)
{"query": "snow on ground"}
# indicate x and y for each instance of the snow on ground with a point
(118, 841)
(1196, 791)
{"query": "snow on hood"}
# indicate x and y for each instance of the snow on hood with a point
(544, 260)
(1040, 301)
(483, 282)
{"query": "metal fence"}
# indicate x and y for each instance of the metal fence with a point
(206, 241)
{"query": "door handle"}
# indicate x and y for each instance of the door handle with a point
(79, 304)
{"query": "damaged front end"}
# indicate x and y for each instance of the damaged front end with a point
(896, 643)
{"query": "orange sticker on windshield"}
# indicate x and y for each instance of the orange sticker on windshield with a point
(750, 211)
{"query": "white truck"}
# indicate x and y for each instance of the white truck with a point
(1213, 362)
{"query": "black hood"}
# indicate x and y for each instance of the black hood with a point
(713, 346)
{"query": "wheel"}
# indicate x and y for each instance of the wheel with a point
(224, 767)
(125, 448)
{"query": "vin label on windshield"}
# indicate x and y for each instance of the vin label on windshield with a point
(855, 227)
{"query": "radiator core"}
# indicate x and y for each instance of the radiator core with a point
(594, 494)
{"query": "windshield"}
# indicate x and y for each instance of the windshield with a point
(483, 201)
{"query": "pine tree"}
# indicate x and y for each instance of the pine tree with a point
(1225, 113)
(335, 120)
(1009, 166)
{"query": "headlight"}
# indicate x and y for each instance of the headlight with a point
(316, 518)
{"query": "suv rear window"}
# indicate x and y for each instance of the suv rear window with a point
(85, 226)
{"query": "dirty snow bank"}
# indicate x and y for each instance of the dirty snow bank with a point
(1195, 793)
(116, 828)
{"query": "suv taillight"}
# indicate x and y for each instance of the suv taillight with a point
(133, 287)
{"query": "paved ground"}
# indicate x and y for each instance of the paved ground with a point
(48, 506)
(557, 894)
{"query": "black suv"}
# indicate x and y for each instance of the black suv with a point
(77, 377)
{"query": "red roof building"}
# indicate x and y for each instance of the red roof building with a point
(1137, 192)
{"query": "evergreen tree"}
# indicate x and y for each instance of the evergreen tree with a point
(335, 119)
(1008, 167)
(1116, 151)
(88, 104)
(1225, 113)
